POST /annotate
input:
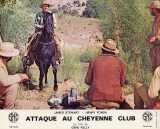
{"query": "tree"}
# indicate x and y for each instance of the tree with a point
(16, 19)
(7, 2)
(128, 22)
(5, 11)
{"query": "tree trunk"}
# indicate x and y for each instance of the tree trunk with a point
(0, 39)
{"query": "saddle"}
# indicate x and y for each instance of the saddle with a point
(33, 42)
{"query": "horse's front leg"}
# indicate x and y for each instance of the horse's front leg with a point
(46, 72)
(25, 69)
(55, 79)
(41, 76)
(24, 64)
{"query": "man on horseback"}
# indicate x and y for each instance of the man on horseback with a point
(45, 25)
(42, 46)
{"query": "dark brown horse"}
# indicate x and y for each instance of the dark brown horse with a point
(44, 55)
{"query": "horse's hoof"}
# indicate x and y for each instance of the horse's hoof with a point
(46, 85)
(55, 88)
(40, 88)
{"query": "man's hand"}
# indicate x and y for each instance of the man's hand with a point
(152, 39)
(23, 77)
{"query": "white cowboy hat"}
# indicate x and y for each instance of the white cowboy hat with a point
(45, 2)
(110, 46)
(7, 50)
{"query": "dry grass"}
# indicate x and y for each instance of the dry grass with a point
(76, 31)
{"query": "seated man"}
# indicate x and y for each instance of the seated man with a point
(8, 83)
(148, 97)
(105, 77)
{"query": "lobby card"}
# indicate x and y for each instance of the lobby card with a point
(79, 64)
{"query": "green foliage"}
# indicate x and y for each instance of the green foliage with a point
(88, 54)
(72, 68)
(16, 20)
(20, 24)
(95, 8)
(129, 23)
(14, 66)
(7, 2)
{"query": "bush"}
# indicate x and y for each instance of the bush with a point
(88, 54)
(73, 69)
(16, 20)
(14, 66)
(94, 8)
(129, 23)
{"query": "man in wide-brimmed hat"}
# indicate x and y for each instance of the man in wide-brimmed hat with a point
(105, 77)
(45, 29)
(154, 36)
(43, 15)
(155, 11)
(8, 83)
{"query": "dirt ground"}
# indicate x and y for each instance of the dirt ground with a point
(33, 99)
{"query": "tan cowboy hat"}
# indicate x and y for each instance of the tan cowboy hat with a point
(110, 46)
(7, 50)
(155, 4)
(45, 2)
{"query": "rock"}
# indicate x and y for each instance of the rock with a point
(72, 7)
(74, 13)
(77, 3)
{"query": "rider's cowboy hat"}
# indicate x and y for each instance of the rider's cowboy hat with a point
(110, 46)
(45, 2)
(7, 49)
(155, 4)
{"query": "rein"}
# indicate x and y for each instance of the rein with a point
(45, 44)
